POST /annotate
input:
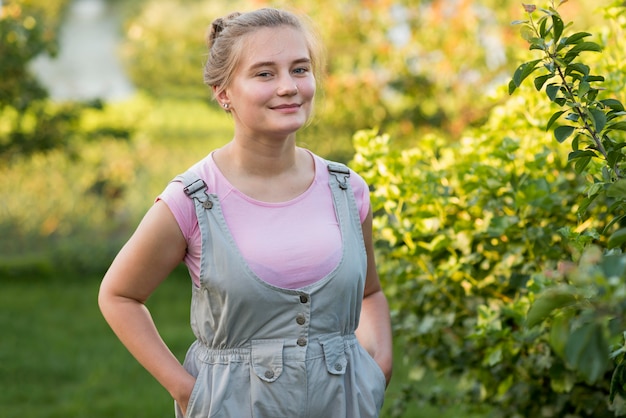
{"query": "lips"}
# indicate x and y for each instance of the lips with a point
(287, 106)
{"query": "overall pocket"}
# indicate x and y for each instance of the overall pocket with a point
(267, 392)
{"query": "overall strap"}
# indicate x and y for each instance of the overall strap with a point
(195, 188)
(341, 173)
(345, 203)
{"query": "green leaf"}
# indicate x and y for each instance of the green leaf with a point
(524, 71)
(554, 118)
(588, 352)
(583, 89)
(563, 132)
(581, 164)
(617, 239)
(618, 126)
(618, 382)
(580, 154)
(613, 222)
(584, 205)
(559, 332)
(552, 90)
(557, 27)
(575, 38)
(613, 104)
(542, 27)
(550, 299)
(614, 157)
(577, 67)
(592, 78)
(599, 119)
(585, 46)
(541, 80)
(614, 265)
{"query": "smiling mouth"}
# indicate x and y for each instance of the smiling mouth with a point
(287, 106)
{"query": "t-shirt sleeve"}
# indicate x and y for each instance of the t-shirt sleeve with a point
(181, 206)
(361, 194)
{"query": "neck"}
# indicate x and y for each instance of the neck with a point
(256, 158)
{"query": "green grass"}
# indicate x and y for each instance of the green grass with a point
(58, 358)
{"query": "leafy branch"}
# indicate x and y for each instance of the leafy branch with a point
(569, 83)
(572, 88)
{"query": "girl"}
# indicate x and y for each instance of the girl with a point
(286, 305)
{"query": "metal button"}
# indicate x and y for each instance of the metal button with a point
(338, 367)
(269, 374)
(300, 319)
(301, 341)
(304, 298)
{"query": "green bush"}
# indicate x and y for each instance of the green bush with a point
(472, 235)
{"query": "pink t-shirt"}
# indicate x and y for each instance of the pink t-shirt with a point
(288, 244)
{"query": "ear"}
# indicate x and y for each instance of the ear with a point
(220, 94)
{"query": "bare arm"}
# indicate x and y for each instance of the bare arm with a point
(374, 331)
(150, 255)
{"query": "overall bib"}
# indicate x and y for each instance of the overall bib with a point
(268, 352)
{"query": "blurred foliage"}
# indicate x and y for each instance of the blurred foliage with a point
(63, 212)
(498, 269)
(29, 122)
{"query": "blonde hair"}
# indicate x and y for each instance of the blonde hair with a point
(226, 37)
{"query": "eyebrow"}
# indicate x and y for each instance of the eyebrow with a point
(273, 63)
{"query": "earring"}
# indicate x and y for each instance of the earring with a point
(225, 105)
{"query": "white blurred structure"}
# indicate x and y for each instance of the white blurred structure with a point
(87, 66)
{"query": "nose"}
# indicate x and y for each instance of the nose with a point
(287, 87)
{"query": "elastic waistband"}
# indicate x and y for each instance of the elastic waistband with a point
(314, 348)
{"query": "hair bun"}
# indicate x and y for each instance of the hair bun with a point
(218, 26)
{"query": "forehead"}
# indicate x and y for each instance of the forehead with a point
(281, 44)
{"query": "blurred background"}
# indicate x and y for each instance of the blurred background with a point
(102, 103)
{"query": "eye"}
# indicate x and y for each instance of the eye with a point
(301, 70)
(264, 74)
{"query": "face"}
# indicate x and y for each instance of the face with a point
(272, 90)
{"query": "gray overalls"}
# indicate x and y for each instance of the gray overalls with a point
(268, 352)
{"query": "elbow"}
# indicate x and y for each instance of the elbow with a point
(103, 299)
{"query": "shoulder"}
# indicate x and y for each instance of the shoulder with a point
(356, 181)
(181, 206)
(359, 187)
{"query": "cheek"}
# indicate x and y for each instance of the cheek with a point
(307, 88)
